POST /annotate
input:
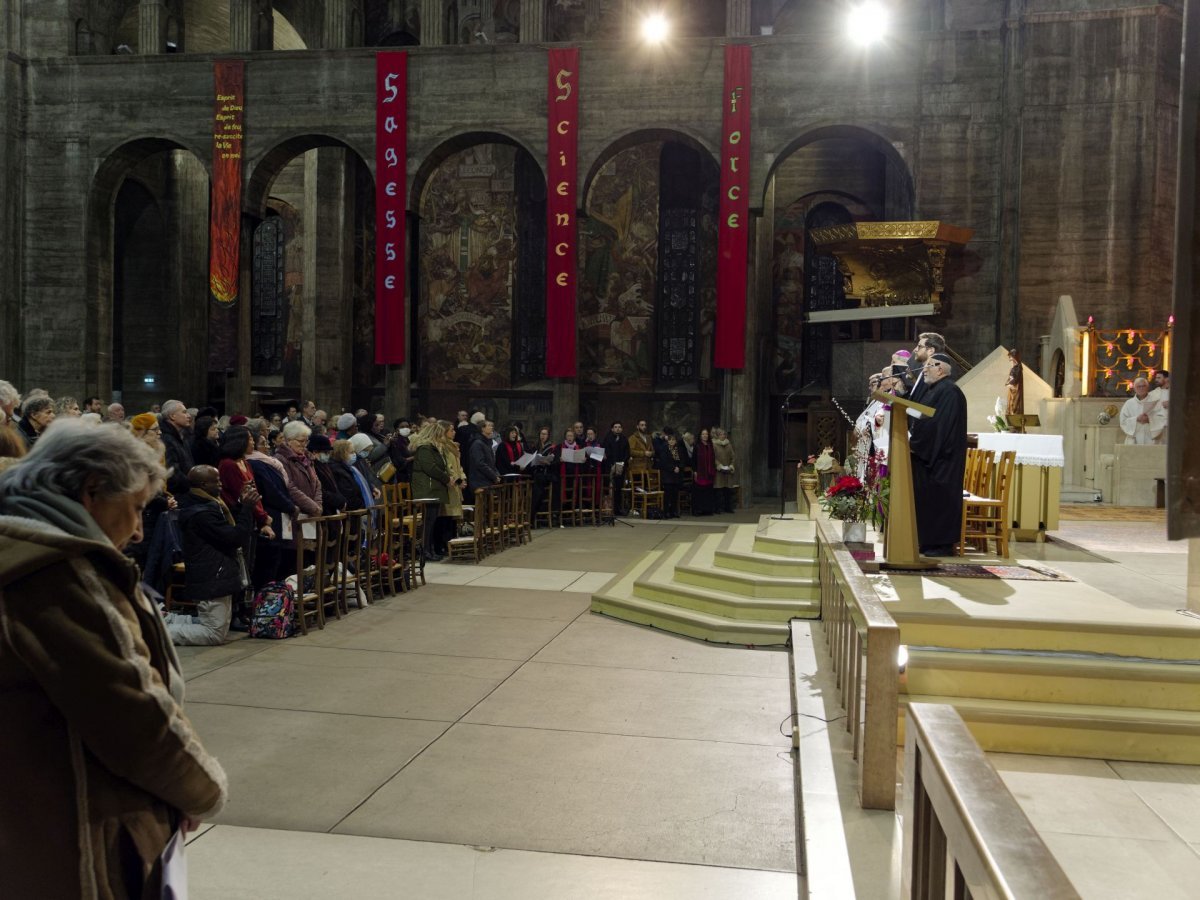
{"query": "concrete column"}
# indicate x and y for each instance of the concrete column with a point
(737, 18)
(251, 25)
(533, 21)
(152, 27)
(328, 277)
(431, 22)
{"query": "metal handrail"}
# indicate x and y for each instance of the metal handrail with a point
(962, 824)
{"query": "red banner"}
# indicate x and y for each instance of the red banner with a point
(391, 157)
(225, 216)
(562, 175)
(734, 226)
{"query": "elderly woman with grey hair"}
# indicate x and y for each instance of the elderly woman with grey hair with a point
(36, 414)
(99, 765)
(303, 485)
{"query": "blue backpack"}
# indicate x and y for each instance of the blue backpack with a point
(273, 612)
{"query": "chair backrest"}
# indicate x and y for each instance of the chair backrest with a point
(653, 480)
(1004, 475)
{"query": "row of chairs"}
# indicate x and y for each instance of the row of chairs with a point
(499, 517)
(987, 483)
(358, 556)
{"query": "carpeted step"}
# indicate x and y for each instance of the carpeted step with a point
(698, 568)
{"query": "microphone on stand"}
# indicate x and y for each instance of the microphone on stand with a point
(783, 422)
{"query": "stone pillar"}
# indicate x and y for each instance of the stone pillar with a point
(737, 18)
(188, 196)
(432, 12)
(750, 416)
(533, 21)
(152, 27)
(397, 393)
(251, 25)
(343, 24)
(325, 366)
(566, 406)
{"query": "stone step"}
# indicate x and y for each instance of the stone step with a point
(1081, 680)
(1081, 730)
(698, 567)
(689, 622)
(658, 582)
(736, 551)
(793, 537)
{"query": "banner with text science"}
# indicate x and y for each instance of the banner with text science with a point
(391, 155)
(734, 226)
(562, 174)
(225, 214)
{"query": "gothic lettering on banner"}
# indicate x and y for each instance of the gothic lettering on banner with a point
(562, 172)
(225, 218)
(733, 229)
(391, 155)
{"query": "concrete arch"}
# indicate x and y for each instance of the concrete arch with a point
(883, 140)
(112, 170)
(632, 139)
(270, 163)
(445, 147)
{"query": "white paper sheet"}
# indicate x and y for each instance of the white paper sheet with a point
(174, 868)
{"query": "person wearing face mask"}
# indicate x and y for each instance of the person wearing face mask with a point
(333, 501)
(399, 452)
(350, 482)
(363, 448)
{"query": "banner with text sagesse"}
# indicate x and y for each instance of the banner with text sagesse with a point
(733, 229)
(391, 156)
(562, 172)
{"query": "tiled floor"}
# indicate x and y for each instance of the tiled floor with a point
(486, 736)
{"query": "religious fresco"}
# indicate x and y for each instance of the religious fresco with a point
(468, 252)
(618, 272)
(787, 287)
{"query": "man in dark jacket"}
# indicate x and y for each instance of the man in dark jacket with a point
(215, 569)
(616, 460)
(177, 440)
(483, 460)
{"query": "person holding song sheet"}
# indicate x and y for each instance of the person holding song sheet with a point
(511, 449)
(542, 467)
(939, 456)
(616, 459)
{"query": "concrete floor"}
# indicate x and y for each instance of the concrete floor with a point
(487, 736)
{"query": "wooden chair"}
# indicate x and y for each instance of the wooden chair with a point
(524, 491)
(587, 511)
(544, 515)
(330, 564)
(647, 493)
(176, 581)
(307, 597)
(986, 517)
(568, 498)
(685, 491)
(470, 546)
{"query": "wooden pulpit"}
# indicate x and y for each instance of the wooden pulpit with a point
(901, 548)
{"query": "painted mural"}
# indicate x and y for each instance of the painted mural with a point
(618, 271)
(787, 282)
(468, 251)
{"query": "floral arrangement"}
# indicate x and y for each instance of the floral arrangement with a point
(997, 421)
(850, 499)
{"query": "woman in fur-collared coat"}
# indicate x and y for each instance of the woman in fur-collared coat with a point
(99, 766)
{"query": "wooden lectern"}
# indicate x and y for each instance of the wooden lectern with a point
(901, 547)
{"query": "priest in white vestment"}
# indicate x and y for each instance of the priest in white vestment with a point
(1143, 418)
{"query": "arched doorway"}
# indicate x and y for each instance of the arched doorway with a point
(310, 201)
(146, 275)
(647, 275)
(480, 204)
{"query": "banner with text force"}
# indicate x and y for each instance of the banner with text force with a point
(562, 174)
(391, 155)
(733, 228)
(225, 215)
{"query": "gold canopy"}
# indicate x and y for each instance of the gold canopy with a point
(890, 268)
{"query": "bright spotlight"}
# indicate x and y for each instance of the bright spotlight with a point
(655, 28)
(867, 22)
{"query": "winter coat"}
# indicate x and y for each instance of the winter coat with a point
(210, 544)
(667, 462)
(178, 456)
(303, 485)
(723, 453)
(98, 761)
(431, 477)
(481, 472)
(276, 499)
(641, 452)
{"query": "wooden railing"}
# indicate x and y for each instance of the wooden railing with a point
(864, 642)
(964, 834)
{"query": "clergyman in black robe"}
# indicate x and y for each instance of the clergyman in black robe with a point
(939, 456)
